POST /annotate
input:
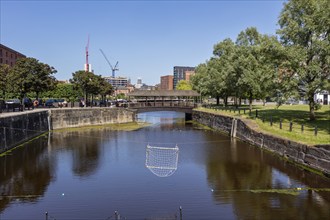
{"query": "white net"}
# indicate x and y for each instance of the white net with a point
(162, 161)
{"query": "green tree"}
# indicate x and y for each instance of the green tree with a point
(83, 80)
(4, 71)
(30, 75)
(183, 85)
(305, 29)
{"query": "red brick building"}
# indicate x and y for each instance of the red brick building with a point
(9, 56)
(166, 82)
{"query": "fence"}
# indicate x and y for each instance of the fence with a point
(281, 123)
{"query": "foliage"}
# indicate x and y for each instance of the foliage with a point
(305, 30)
(183, 85)
(30, 75)
(4, 70)
(90, 83)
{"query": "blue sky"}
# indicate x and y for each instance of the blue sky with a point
(148, 38)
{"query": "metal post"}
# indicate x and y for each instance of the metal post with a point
(46, 215)
(302, 128)
(271, 121)
(290, 125)
(180, 213)
(280, 123)
(315, 131)
(256, 113)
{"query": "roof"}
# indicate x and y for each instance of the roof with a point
(163, 93)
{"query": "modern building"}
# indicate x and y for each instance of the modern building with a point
(9, 56)
(179, 73)
(117, 81)
(166, 82)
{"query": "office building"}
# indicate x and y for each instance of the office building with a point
(166, 82)
(9, 56)
(117, 82)
(179, 73)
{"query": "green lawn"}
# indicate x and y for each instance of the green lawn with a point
(297, 114)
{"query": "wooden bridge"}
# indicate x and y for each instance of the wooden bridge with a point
(164, 100)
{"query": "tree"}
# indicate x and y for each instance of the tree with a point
(4, 71)
(305, 27)
(83, 80)
(183, 85)
(30, 75)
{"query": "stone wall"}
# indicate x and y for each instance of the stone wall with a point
(16, 129)
(67, 118)
(316, 157)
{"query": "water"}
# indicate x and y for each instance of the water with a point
(90, 174)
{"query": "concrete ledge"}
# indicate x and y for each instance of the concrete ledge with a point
(316, 157)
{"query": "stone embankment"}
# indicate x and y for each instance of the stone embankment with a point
(315, 157)
(16, 128)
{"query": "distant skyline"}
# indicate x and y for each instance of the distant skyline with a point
(148, 38)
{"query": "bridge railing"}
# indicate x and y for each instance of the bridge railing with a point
(178, 104)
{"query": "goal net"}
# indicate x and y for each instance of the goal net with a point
(162, 161)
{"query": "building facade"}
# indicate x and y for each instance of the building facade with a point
(166, 82)
(117, 81)
(9, 56)
(179, 73)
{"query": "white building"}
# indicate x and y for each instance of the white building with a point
(322, 97)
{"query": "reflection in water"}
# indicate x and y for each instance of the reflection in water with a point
(258, 190)
(89, 174)
(162, 161)
(25, 176)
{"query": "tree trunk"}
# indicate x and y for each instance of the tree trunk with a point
(225, 101)
(311, 108)
(250, 101)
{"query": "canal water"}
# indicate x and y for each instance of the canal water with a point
(92, 173)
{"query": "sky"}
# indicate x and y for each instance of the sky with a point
(147, 38)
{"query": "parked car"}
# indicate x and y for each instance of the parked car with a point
(12, 104)
(50, 102)
(13, 101)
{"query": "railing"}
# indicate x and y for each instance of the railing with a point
(174, 104)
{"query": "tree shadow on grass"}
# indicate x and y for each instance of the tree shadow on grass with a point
(298, 116)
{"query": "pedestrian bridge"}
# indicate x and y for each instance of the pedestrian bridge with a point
(164, 100)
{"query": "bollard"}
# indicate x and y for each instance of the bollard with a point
(46, 215)
(280, 123)
(256, 113)
(271, 121)
(239, 111)
(290, 126)
(315, 131)
(302, 128)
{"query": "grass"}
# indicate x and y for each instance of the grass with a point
(297, 114)
(130, 126)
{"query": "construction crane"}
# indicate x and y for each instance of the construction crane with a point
(112, 68)
(87, 64)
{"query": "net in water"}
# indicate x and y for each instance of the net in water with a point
(162, 161)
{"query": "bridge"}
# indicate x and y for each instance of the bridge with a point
(164, 100)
